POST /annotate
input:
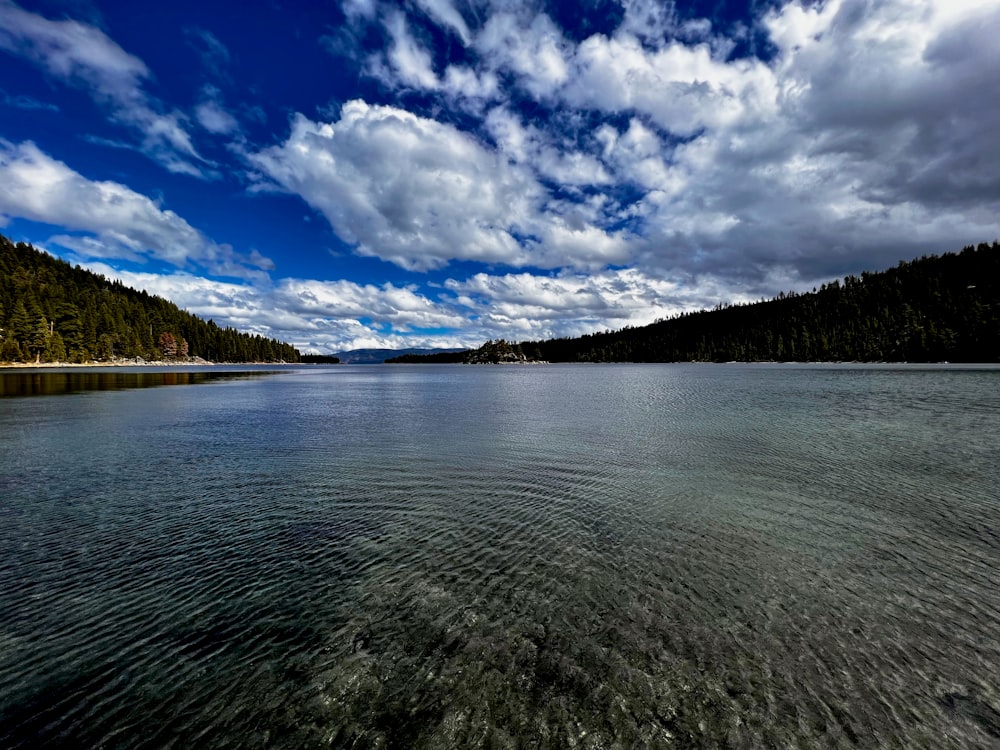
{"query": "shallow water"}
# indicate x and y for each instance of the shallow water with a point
(433, 556)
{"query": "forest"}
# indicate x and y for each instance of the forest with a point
(932, 309)
(51, 311)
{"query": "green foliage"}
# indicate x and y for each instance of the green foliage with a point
(57, 313)
(55, 348)
(19, 323)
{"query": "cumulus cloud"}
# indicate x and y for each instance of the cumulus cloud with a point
(903, 95)
(407, 189)
(86, 57)
(401, 307)
(681, 88)
(119, 222)
(420, 193)
(470, 88)
(882, 140)
(536, 51)
(531, 146)
(868, 136)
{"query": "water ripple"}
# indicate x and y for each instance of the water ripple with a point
(541, 557)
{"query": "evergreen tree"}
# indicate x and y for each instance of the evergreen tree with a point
(55, 349)
(38, 336)
(10, 351)
(20, 322)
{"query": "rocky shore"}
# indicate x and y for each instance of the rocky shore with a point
(118, 362)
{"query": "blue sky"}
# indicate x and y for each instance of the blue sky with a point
(440, 172)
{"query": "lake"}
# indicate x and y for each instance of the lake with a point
(594, 556)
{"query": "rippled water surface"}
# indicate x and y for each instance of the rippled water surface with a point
(555, 556)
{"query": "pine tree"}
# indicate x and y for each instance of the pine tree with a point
(20, 323)
(38, 337)
(55, 349)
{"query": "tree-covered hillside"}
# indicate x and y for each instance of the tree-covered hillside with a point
(938, 308)
(51, 311)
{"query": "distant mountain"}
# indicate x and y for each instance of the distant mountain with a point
(933, 309)
(378, 356)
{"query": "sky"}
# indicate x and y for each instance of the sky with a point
(436, 173)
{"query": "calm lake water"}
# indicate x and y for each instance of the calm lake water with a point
(540, 557)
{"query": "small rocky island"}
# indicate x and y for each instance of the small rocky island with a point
(499, 352)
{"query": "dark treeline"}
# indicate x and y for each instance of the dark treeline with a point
(936, 308)
(51, 311)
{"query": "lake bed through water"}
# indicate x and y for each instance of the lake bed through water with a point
(594, 556)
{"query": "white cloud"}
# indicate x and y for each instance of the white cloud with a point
(445, 14)
(534, 148)
(401, 307)
(406, 189)
(420, 193)
(215, 119)
(654, 21)
(408, 65)
(819, 159)
(639, 156)
(410, 62)
(71, 50)
(683, 89)
(461, 82)
(536, 51)
(539, 307)
(872, 121)
(121, 223)
(212, 116)
(884, 139)
(84, 56)
(360, 9)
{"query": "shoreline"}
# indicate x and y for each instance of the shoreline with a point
(119, 363)
(127, 363)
